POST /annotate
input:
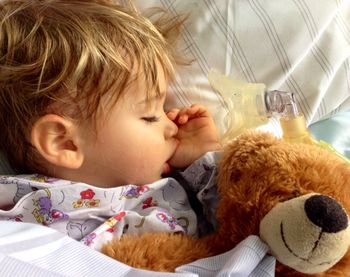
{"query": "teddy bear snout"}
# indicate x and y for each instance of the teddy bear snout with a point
(326, 213)
(309, 233)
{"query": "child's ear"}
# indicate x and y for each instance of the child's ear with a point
(57, 140)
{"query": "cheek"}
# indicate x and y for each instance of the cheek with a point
(141, 153)
(145, 139)
(133, 142)
(141, 169)
(146, 157)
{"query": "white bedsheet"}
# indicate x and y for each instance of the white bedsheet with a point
(33, 250)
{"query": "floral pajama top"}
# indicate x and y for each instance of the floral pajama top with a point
(94, 215)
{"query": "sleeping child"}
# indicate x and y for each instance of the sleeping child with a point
(82, 91)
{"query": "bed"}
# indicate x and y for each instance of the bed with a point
(302, 46)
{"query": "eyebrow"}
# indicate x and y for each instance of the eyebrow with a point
(153, 98)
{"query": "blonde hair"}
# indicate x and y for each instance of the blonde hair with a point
(68, 54)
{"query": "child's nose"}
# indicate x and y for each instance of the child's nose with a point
(171, 129)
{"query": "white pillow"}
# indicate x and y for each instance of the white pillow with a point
(298, 46)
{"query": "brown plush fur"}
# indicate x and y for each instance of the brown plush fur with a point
(256, 172)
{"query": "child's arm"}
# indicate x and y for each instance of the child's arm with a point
(197, 134)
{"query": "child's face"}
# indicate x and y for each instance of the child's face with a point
(134, 143)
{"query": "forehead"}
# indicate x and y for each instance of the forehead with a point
(146, 88)
(141, 86)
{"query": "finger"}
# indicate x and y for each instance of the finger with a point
(172, 114)
(188, 113)
(197, 110)
(184, 111)
(182, 119)
(183, 115)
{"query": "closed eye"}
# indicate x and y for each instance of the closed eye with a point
(151, 119)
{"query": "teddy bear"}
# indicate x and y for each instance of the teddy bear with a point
(294, 196)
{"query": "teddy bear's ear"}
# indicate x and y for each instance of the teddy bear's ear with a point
(248, 144)
(255, 140)
(245, 153)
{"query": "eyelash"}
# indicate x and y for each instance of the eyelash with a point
(151, 119)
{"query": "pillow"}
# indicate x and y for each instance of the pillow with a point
(296, 46)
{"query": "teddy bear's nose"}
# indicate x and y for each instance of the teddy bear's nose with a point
(326, 213)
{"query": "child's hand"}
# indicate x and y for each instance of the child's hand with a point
(197, 134)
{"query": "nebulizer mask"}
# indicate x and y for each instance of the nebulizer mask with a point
(250, 105)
